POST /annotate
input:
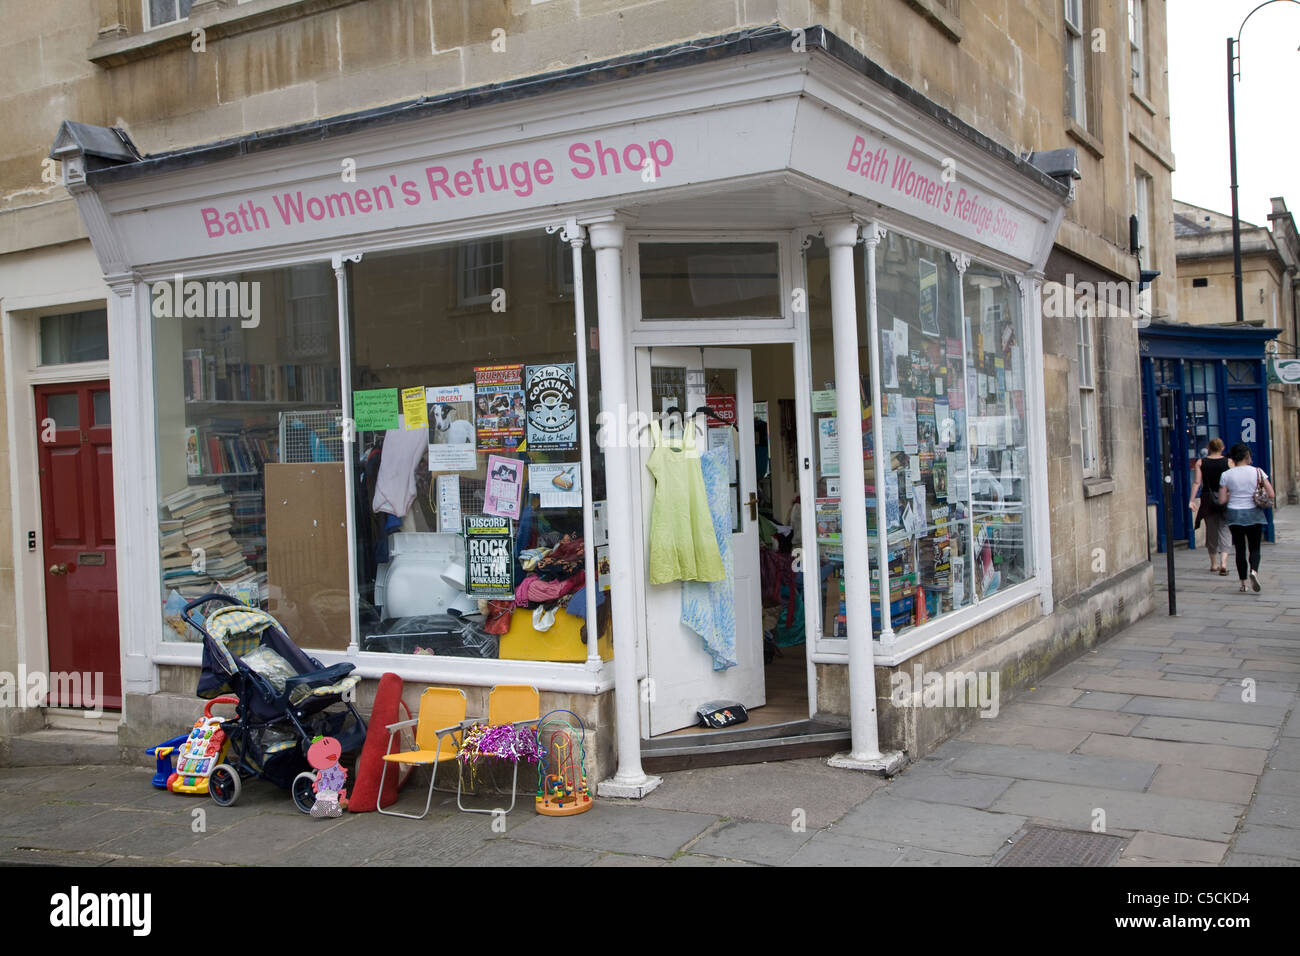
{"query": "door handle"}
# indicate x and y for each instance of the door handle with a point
(59, 569)
(752, 503)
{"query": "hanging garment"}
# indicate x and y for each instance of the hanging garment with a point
(709, 609)
(682, 543)
(395, 485)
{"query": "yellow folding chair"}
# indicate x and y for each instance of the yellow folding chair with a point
(438, 730)
(517, 704)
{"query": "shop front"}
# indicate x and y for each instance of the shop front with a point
(408, 380)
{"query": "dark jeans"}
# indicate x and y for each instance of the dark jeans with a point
(1243, 535)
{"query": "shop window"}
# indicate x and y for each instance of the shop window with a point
(1089, 440)
(250, 449)
(709, 280)
(74, 337)
(469, 509)
(999, 456)
(923, 418)
(161, 12)
(482, 269)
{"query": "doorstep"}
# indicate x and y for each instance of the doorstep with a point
(788, 741)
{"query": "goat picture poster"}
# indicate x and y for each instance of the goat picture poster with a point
(452, 432)
(550, 392)
(499, 406)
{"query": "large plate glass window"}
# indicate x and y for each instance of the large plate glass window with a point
(250, 448)
(470, 485)
(998, 430)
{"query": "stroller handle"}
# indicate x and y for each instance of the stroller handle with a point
(200, 601)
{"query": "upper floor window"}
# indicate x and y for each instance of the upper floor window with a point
(1142, 209)
(160, 12)
(1090, 441)
(1076, 63)
(1137, 29)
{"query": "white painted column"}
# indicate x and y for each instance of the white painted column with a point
(871, 236)
(349, 442)
(841, 238)
(575, 236)
(1036, 407)
(630, 780)
(135, 481)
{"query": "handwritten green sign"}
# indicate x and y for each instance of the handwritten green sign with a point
(375, 409)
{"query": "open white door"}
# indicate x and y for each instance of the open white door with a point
(680, 668)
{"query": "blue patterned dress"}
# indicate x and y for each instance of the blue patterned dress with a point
(709, 608)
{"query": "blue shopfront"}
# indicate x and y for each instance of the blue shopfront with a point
(1217, 374)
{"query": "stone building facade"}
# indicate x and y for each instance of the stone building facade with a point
(1028, 77)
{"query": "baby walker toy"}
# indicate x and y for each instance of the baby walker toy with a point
(196, 753)
(561, 773)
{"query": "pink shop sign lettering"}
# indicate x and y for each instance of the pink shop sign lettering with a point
(440, 183)
(903, 176)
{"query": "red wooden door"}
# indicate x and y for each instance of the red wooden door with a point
(75, 438)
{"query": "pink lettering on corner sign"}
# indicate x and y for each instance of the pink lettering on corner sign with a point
(901, 175)
(519, 177)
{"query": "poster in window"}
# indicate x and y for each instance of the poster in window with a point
(929, 306)
(505, 486)
(451, 427)
(552, 411)
(499, 406)
(489, 556)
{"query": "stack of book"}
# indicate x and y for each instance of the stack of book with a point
(197, 547)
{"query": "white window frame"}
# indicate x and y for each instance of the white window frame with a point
(1142, 185)
(465, 293)
(148, 18)
(1076, 65)
(1089, 438)
(1137, 28)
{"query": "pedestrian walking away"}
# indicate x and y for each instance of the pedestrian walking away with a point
(1208, 471)
(1247, 492)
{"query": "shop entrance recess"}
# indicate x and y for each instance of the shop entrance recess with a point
(705, 394)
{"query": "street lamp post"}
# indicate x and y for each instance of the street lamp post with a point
(1234, 56)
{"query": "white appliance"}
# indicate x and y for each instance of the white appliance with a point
(414, 582)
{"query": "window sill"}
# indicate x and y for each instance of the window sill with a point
(1080, 135)
(111, 51)
(1143, 101)
(945, 21)
(1093, 487)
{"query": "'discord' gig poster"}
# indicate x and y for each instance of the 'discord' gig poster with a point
(489, 556)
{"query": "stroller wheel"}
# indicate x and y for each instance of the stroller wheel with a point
(224, 785)
(304, 797)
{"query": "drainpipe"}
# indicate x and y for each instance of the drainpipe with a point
(630, 780)
(864, 753)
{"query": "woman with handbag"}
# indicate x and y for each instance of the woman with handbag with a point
(1247, 492)
(1208, 471)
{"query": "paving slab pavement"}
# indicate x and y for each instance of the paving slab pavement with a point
(1179, 735)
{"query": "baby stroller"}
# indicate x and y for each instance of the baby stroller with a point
(285, 700)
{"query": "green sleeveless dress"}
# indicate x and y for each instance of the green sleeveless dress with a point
(683, 546)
